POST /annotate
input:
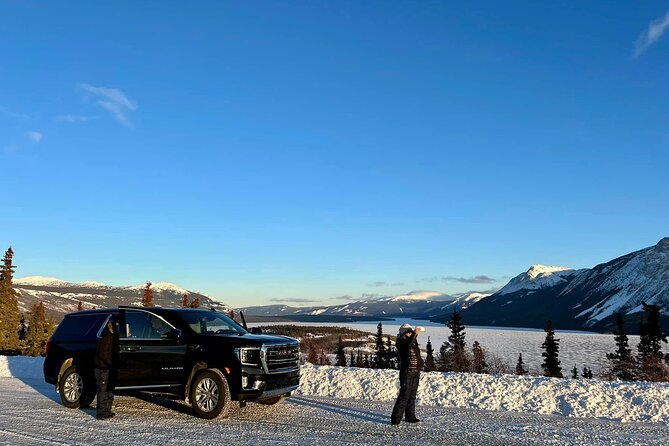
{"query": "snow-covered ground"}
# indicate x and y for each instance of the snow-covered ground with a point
(618, 401)
(31, 414)
(576, 348)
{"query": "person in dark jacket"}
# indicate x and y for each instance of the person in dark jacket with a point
(105, 362)
(411, 363)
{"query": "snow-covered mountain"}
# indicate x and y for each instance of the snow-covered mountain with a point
(580, 299)
(60, 297)
(537, 277)
(419, 303)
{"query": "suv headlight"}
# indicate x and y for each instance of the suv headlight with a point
(248, 355)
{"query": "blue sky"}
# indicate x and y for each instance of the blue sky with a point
(302, 151)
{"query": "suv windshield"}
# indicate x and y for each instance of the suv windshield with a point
(210, 323)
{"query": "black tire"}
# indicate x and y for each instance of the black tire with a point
(273, 400)
(210, 394)
(76, 389)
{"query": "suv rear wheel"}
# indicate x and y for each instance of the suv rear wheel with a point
(210, 394)
(76, 389)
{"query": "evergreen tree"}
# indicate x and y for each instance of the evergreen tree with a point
(359, 362)
(23, 331)
(574, 373)
(429, 365)
(551, 347)
(185, 303)
(80, 306)
(366, 362)
(444, 363)
(323, 359)
(623, 364)
(38, 331)
(478, 364)
(381, 359)
(650, 346)
(195, 303)
(520, 366)
(312, 356)
(393, 354)
(341, 355)
(456, 358)
(352, 360)
(10, 317)
(147, 295)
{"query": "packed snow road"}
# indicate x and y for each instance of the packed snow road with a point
(31, 414)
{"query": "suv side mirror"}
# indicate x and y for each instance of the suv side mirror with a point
(176, 335)
(256, 330)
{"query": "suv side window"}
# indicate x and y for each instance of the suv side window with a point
(80, 326)
(143, 325)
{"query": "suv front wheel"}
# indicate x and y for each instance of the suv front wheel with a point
(210, 394)
(76, 389)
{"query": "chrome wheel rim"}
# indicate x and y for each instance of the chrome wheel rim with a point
(73, 387)
(206, 395)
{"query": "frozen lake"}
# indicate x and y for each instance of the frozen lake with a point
(577, 348)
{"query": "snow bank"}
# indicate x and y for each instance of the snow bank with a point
(640, 401)
(574, 398)
(21, 367)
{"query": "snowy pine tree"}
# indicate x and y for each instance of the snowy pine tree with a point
(381, 360)
(574, 373)
(341, 355)
(10, 317)
(456, 358)
(520, 366)
(623, 365)
(312, 355)
(551, 347)
(352, 360)
(478, 359)
(429, 365)
(147, 295)
(651, 337)
(323, 359)
(39, 329)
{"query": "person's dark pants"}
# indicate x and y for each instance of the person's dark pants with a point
(406, 399)
(105, 397)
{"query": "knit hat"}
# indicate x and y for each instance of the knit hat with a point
(404, 328)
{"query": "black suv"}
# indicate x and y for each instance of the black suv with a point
(201, 355)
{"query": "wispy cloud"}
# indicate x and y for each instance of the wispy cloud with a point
(34, 136)
(6, 111)
(298, 300)
(475, 279)
(377, 284)
(655, 30)
(113, 100)
(73, 118)
(380, 284)
(344, 297)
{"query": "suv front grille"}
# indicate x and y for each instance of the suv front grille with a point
(282, 358)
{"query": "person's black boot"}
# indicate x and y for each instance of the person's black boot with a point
(413, 420)
(394, 422)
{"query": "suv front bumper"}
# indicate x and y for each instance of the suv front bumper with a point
(269, 385)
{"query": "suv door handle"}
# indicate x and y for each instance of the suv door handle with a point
(131, 349)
